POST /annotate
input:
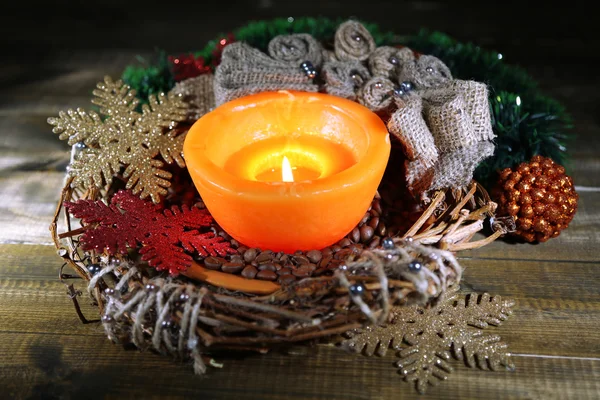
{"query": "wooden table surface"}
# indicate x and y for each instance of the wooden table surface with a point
(45, 352)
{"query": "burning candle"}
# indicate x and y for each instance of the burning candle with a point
(287, 171)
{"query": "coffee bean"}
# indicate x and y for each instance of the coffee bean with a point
(374, 222)
(375, 242)
(301, 259)
(232, 267)
(325, 261)
(382, 229)
(242, 249)
(234, 243)
(249, 272)
(377, 207)
(284, 258)
(303, 271)
(287, 279)
(345, 242)
(212, 263)
(264, 258)
(279, 255)
(236, 258)
(334, 264)
(365, 218)
(284, 271)
(366, 233)
(250, 255)
(266, 275)
(314, 256)
(343, 254)
(269, 266)
(319, 271)
(335, 248)
(326, 251)
(278, 266)
(355, 235)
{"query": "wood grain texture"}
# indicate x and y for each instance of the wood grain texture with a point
(554, 331)
(46, 352)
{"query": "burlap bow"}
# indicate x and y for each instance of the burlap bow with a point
(443, 124)
(245, 70)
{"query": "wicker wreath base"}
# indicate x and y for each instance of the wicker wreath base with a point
(356, 287)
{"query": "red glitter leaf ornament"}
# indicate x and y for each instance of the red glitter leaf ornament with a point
(165, 234)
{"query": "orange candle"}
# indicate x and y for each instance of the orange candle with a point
(285, 170)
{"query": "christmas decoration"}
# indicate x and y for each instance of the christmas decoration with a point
(163, 233)
(524, 121)
(245, 70)
(187, 66)
(198, 93)
(443, 124)
(215, 57)
(125, 138)
(150, 77)
(397, 267)
(540, 197)
(427, 338)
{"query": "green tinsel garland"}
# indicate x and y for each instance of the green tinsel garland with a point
(526, 122)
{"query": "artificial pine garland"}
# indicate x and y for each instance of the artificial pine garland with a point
(526, 122)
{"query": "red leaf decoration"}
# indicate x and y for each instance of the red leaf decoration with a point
(165, 234)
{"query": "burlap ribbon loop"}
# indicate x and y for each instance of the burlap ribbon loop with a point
(353, 42)
(445, 134)
(344, 78)
(377, 93)
(387, 61)
(425, 72)
(296, 49)
(245, 70)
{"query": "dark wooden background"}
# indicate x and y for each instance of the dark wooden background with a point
(53, 54)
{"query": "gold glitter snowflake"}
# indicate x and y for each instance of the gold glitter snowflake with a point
(428, 338)
(125, 138)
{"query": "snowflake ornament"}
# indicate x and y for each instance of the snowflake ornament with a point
(125, 137)
(428, 338)
(165, 234)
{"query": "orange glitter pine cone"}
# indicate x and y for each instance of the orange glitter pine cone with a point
(539, 195)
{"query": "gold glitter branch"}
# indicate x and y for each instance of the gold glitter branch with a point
(126, 138)
(428, 338)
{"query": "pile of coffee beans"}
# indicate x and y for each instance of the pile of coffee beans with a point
(285, 268)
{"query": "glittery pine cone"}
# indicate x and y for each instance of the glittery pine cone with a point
(540, 197)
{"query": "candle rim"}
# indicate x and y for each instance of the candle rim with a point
(214, 175)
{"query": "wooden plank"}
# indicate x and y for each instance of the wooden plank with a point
(558, 319)
(27, 203)
(90, 367)
(29, 133)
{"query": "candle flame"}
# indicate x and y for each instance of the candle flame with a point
(286, 170)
